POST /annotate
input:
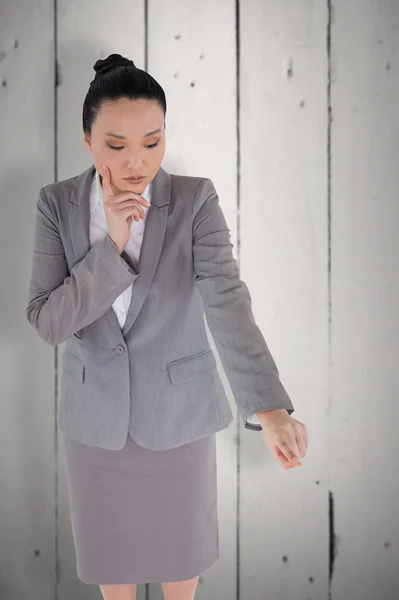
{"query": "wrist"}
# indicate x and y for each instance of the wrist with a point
(120, 250)
(265, 415)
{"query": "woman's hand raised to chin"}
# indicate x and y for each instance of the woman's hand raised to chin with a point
(119, 210)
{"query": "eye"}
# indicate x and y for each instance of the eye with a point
(121, 147)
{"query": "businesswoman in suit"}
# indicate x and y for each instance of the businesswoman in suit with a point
(141, 399)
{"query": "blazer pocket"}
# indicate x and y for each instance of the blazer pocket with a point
(78, 338)
(72, 365)
(191, 367)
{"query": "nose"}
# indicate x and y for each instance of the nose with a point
(135, 161)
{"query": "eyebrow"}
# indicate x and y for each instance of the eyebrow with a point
(122, 137)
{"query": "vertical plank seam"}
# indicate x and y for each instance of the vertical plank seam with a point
(55, 169)
(147, 585)
(238, 203)
(332, 537)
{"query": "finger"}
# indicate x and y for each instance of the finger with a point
(138, 208)
(141, 200)
(132, 207)
(286, 464)
(137, 214)
(125, 205)
(132, 196)
(282, 459)
(305, 433)
(124, 196)
(290, 450)
(131, 211)
(301, 444)
(286, 451)
(107, 183)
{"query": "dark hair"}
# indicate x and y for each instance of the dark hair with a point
(118, 77)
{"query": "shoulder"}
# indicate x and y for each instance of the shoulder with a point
(55, 196)
(198, 188)
(51, 198)
(60, 188)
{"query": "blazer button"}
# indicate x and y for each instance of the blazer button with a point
(120, 349)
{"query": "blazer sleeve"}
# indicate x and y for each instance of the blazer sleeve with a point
(62, 302)
(244, 354)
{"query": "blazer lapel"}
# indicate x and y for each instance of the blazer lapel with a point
(154, 234)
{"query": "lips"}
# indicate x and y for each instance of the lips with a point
(135, 179)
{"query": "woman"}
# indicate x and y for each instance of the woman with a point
(141, 398)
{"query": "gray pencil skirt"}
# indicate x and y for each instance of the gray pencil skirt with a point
(140, 515)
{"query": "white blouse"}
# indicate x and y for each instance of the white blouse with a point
(99, 229)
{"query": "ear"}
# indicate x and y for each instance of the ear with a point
(87, 141)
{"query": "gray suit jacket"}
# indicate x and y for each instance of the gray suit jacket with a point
(156, 378)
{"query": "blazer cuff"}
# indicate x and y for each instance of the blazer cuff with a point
(126, 260)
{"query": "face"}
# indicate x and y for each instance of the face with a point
(128, 136)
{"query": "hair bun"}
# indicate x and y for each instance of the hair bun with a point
(113, 60)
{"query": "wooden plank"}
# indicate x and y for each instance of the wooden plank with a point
(86, 32)
(365, 291)
(193, 58)
(283, 527)
(27, 527)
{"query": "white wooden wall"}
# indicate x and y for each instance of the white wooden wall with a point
(312, 205)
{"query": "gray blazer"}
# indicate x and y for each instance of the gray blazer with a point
(156, 378)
